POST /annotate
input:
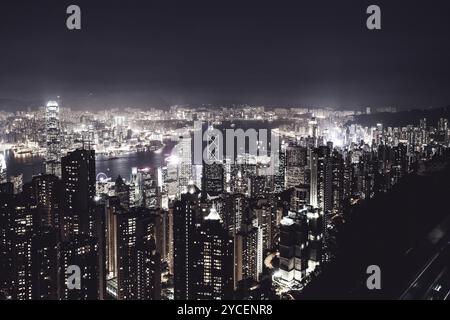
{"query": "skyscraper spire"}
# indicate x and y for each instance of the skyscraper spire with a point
(213, 214)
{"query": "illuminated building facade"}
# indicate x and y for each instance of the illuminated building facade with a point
(53, 139)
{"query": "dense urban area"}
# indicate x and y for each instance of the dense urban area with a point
(263, 223)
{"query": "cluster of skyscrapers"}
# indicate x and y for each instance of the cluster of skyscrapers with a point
(219, 229)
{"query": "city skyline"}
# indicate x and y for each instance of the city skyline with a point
(160, 222)
(246, 152)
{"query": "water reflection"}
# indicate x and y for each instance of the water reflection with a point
(31, 165)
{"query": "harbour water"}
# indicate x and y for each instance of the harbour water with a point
(33, 165)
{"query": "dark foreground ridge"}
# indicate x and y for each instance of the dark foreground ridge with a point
(394, 231)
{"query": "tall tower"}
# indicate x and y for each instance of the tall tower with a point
(214, 150)
(313, 167)
(148, 186)
(53, 139)
(78, 176)
(295, 158)
(185, 162)
(186, 215)
(213, 168)
(313, 130)
(83, 252)
(248, 253)
(47, 191)
(215, 259)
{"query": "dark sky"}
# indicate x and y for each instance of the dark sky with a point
(155, 53)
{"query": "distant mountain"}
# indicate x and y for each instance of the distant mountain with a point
(13, 105)
(403, 118)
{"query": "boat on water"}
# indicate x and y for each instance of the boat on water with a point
(25, 151)
(156, 146)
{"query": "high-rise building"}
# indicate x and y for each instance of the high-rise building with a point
(148, 271)
(17, 181)
(127, 238)
(338, 182)
(122, 191)
(6, 261)
(293, 249)
(213, 179)
(321, 183)
(47, 193)
(248, 253)
(44, 264)
(184, 162)
(16, 233)
(296, 161)
(20, 237)
(213, 174)
(113, 209)
(240, 174)
(264, 212)
(133, 260)
(314, 131)
(53, 139)
(233, 211)
(214, 262)
(313, 181)
(148, 188)
(280, 173)
(186, 216)
(315, 237)
(300, 245)
(81, 251)
(78, 176)
(300, 197)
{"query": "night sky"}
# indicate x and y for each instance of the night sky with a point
(158, 53)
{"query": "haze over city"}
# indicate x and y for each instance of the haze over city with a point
(156, 54)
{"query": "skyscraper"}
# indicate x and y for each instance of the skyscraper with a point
(280, 173)
(295, 165)
(78, 176)
(80, 251)
(248, 253)
(7, 201)
(313, 131)
(148, 270)
(213, 179)
(17, 181)
(113, 209)
(186, 216)
(53, 139)
(47, 193)
(133, 261)
(127, 239)
(313, 182)
(184, 156)
(148, 187)
(293, 248)
(122, 191)
(21, 235)
(16, 233)
(44, 266)
(214, 261)
(301, 239)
